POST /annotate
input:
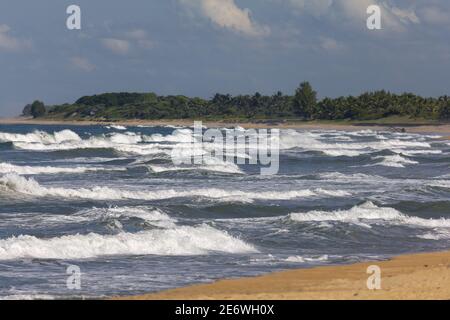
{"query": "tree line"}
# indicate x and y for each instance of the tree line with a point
(302, 105)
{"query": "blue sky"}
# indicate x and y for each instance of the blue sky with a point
(200, 47)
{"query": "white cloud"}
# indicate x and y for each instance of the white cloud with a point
(9, 43)
(137, 34)
(82, 64)
(226, 14)
(355, 11)
(405, 15)
(316, 8)
(330, 44)
(117, 46)
(434, 15)
(140, 37)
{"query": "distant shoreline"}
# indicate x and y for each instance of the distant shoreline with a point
(413, 127)
(416, 276)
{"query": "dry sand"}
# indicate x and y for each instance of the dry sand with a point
(420, 276)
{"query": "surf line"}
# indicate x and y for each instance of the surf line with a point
(239, 146)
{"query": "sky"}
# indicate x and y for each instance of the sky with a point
(200, 47)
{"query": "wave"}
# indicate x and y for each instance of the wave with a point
(26, 297)
(178, 241)
(440, 184)
(117, 127)
(110, 141)
(301, 259)
(444, 176)
(349, 177)
(211, 164)
(396, 161)
(32, 170)
(112, 216)
(180, 140)
(368, 213)
(41, 137)
(179, 135)
(314, 142)
(154, 217)
(437, 235)
(127, 142)
(15, 183)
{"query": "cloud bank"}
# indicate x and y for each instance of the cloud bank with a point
(226, 14)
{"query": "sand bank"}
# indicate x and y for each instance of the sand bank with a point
(419, 276)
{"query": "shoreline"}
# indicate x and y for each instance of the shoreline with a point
(409, 276)
(413, 127)
(404, 277)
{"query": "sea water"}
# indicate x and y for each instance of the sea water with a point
(110, 200)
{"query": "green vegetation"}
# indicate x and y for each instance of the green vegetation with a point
(303, 105)
(37, 109)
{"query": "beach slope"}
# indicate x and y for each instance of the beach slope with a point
(420, 276)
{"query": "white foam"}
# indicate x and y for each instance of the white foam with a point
(110, 141)
(313, 141)
(179, 135)
(181, 240)
(117, 127)
(300, 259)
(32, 170)
(127, 142)
(26, 297)
(182, 139)
(15, 183)
(440, 183)
(40, 137)
(396, 161)
(211, 164)
(368, 213)
(349, 177)
(154, 217)
(436, 235)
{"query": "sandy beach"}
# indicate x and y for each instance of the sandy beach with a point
(419, 276)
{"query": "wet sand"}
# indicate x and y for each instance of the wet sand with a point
(419, 276)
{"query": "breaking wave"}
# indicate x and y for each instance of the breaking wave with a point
(182, 240)
(396, 161)
(130, 142)
(40, 137)
(368, 213)
(310, 141)
(32, 170)
(301, 259)
(154, 217)
(116, 127)
(211, 164)
(30, 187)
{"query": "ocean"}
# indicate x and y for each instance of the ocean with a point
(109, 202)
